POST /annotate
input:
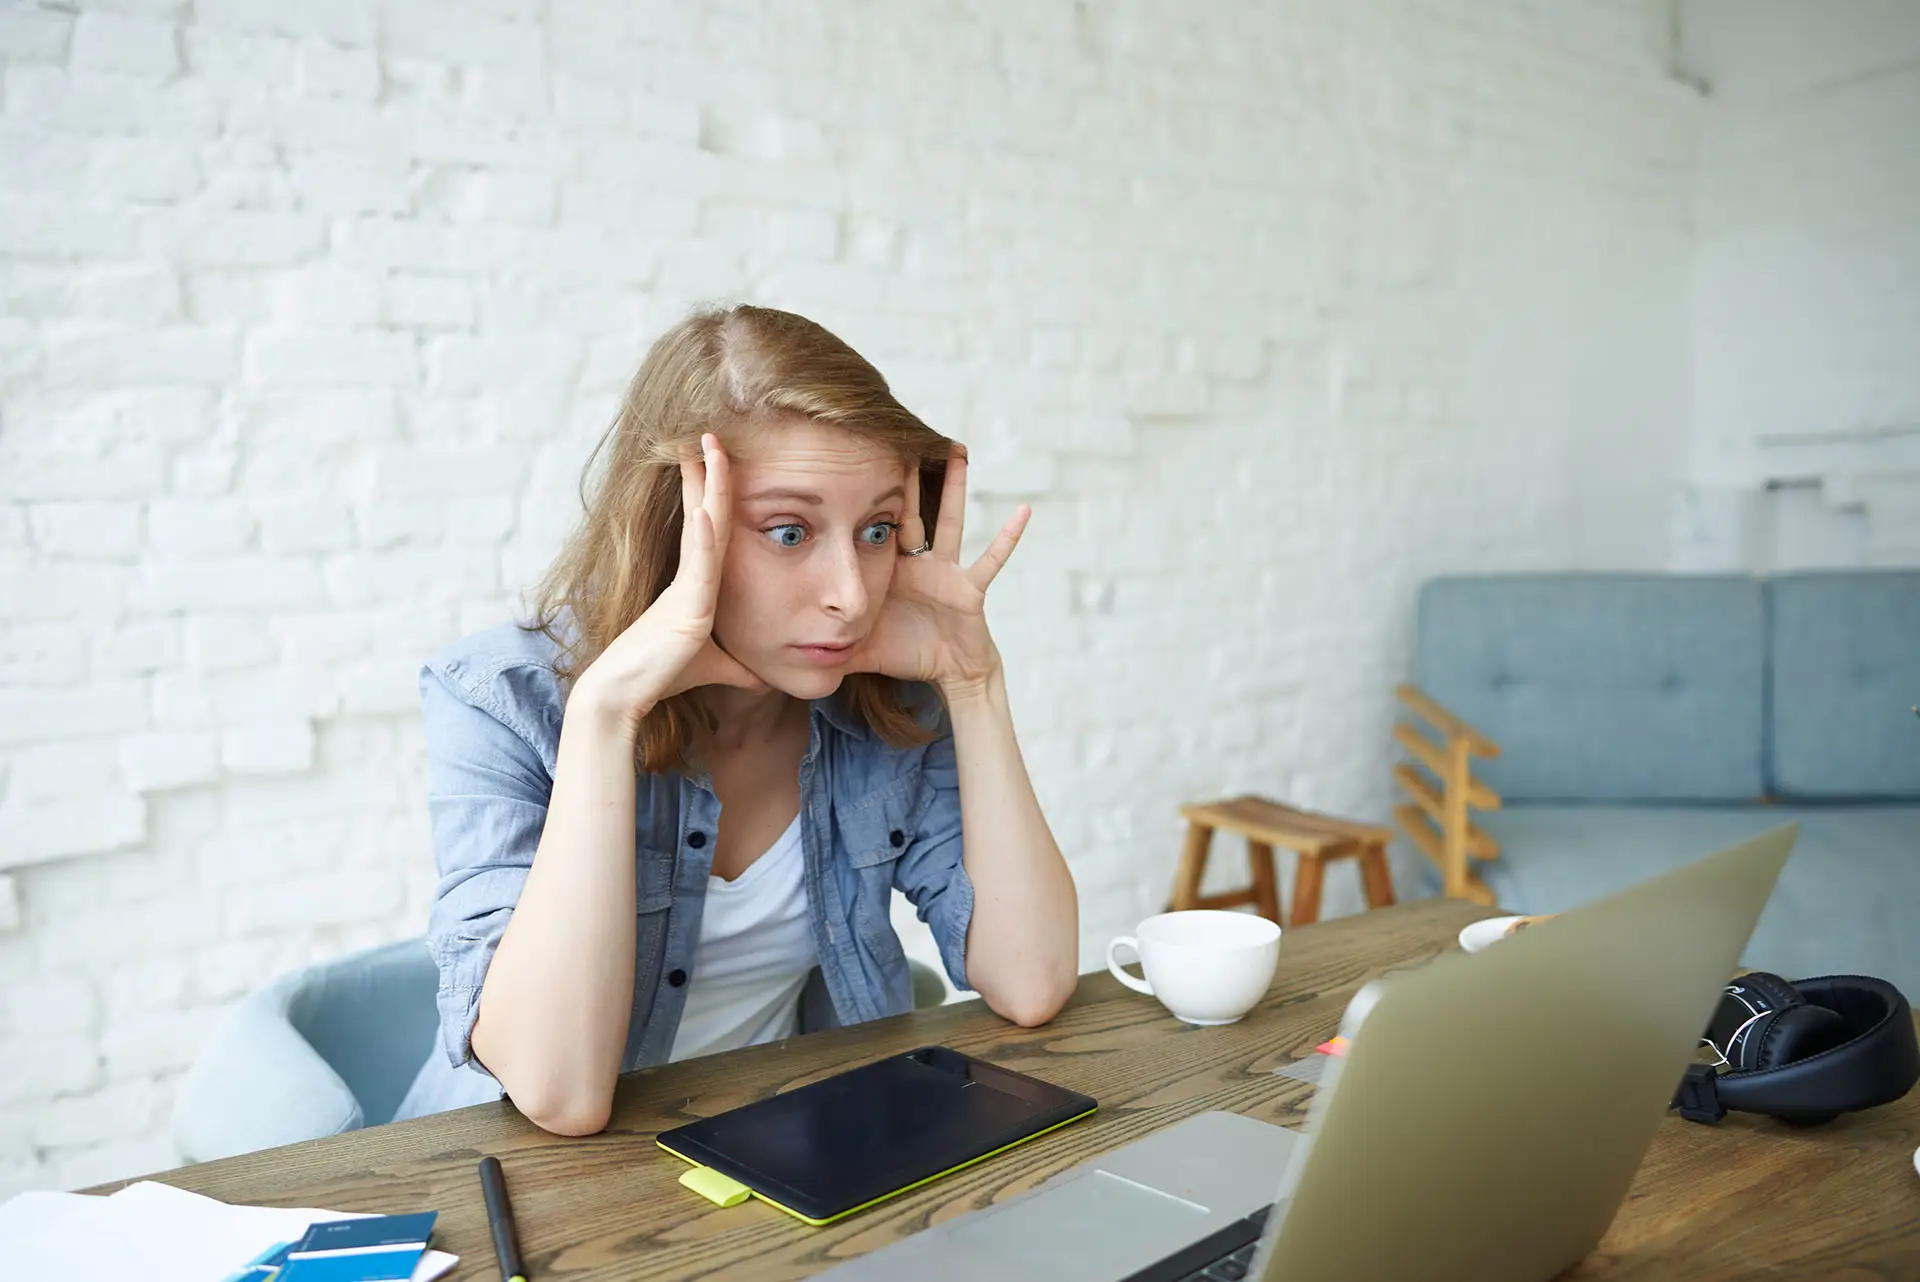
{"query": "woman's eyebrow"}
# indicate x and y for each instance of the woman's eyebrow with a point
(814, 500)
(797, 496)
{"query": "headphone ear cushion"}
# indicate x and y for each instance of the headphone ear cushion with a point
(1747, 1009)
(1797, 1033)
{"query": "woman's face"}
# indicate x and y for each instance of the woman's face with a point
(811, 552)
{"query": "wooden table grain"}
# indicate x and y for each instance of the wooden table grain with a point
(1749, 1198)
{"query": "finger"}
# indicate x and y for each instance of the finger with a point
(700, 568)
(953, 506)
(994, 559)
(689, 504)
(913, 530)
(718, 499)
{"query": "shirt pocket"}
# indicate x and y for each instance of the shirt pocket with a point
(653, 871)
(653, 908)
(652, 900)
(877, 830)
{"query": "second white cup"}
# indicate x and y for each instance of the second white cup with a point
(1205, 966)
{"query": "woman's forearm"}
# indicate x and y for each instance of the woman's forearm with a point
(558, 995)
(1023, 944)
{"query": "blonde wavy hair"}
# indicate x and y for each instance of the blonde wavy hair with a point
(726, 371)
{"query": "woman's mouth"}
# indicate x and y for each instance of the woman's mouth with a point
(826, 656)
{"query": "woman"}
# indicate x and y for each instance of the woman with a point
(760, 693)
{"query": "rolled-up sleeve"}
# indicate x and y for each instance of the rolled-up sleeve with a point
(487, 802)
(930, 872)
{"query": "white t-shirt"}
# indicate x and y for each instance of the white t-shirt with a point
(753, 957)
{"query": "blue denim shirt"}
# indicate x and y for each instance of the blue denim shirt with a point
(873, 817)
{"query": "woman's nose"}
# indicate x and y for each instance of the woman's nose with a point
(843, 591)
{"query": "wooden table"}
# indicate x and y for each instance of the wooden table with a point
(1749, 1198)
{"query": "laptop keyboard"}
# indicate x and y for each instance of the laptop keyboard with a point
(1223, 1256)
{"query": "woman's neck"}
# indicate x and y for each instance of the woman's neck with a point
(747, 719)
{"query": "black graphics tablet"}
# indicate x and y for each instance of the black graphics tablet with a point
(829, 1149)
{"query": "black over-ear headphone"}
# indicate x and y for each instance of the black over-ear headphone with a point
(1805, 1052)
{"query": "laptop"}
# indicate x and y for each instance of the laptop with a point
(1485, 1123)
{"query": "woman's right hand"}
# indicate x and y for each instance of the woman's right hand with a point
(670, 648)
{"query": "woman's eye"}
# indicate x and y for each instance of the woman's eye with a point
(787, 536)
(877, 534)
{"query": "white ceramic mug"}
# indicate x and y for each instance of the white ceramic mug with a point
(1205, 966)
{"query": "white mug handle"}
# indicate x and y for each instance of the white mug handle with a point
(1113, 964)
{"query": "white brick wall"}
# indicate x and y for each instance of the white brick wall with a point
(1804, 281)
(309, 310)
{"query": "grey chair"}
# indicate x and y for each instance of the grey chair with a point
(329, 1048)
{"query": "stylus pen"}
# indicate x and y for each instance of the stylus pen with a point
(500, 1217)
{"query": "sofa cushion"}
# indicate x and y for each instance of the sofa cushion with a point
(1844, 903)
(1846, 675)
(1603, 687)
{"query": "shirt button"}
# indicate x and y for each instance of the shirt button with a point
(897, 837)
(696, 839)
(677, 977)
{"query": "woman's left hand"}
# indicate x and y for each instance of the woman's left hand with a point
(933, 625)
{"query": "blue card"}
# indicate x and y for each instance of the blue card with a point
(264, 1266)
(383, 1248)
(372, 1231)
(394, 1265)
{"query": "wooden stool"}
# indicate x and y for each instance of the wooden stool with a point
(1266, 824)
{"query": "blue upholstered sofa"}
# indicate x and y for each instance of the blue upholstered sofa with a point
(1644, 720)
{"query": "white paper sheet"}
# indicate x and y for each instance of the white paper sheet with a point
(154, 1232)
